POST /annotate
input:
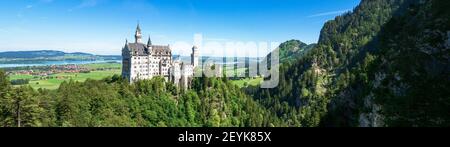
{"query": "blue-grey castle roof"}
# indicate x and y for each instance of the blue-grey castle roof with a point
(140, 49)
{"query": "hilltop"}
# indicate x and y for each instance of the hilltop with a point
(291, 50)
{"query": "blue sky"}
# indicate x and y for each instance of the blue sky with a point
(101, 26)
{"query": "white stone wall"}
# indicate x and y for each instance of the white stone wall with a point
(175, 73)
(147, 67)
(140, 68)
(154, 65)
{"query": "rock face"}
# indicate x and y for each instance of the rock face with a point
(371, 118)
(447, 45)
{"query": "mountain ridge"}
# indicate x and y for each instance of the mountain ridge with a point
(43, 53)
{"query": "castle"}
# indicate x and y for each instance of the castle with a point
(145, 61)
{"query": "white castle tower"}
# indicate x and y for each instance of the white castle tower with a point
(194, 56)
(138, 34)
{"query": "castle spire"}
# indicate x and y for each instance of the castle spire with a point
(149, 43)
(138, 34)
(138, 27)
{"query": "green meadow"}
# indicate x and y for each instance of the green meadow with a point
(247, 82)
(252, 81)
(103, 66)
(101, 71)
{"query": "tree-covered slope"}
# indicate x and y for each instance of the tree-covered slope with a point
(114, 103)
(410, 76)
(399, 77)
(370, 69)
(292, 50)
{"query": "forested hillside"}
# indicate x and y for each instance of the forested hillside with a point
(410, 75)
(111, 102)
(292, 50)
(384, 64)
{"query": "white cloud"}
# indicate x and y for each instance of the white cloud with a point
(329, 13)
(29, 6)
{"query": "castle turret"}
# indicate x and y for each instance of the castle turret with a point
(126, 60)
(194, 56)
(138, 34)
(149, 43)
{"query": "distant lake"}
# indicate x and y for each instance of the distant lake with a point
(48, 63)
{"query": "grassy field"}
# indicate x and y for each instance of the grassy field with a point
(57, 79)
(247, 82)
(15, 77)
(103, 65)
(243, 82)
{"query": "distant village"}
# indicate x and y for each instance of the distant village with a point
(53, 69)
(44, 72)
